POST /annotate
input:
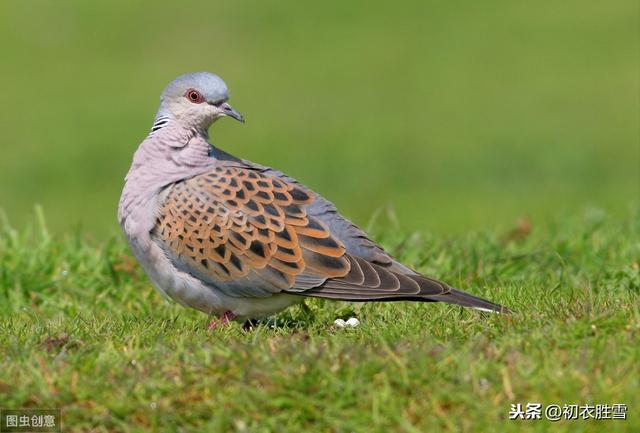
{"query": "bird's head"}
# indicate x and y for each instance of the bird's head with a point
(197, 100)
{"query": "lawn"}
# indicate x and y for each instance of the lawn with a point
(81, 329)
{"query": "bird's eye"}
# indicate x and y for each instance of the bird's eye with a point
(194, 96)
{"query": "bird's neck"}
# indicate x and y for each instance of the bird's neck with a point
(163, 119)
(170, 140)
(169, 154)
(190, 121)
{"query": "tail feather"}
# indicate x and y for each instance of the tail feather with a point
(459, 297)
(368, 281)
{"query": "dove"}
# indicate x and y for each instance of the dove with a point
(241, 241)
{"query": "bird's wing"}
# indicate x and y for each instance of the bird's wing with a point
(355, 240)
(250, 231)
(374, 274)
(246, 233)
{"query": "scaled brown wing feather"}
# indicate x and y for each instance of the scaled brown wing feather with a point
(370, 281)
(237, 223)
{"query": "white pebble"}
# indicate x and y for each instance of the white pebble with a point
(353, 322)
(339, 323)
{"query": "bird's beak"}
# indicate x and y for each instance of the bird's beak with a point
(229, 111)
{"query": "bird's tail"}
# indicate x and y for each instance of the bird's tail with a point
(458, 297)
(367, 281)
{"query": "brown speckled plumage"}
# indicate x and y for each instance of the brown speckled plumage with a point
(231, 221)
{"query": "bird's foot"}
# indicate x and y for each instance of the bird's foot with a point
(250, 324)
(227, 317)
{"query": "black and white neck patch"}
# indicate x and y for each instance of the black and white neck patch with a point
(159, 123)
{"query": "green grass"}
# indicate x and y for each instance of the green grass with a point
(81, 329)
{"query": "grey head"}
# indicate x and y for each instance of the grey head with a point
(196, 100)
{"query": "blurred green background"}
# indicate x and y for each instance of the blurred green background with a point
(457, 115)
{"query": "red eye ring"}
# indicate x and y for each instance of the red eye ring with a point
(194, 96)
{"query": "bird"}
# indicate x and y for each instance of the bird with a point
(241, 241)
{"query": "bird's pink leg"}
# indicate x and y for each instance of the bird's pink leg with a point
(227, 317)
